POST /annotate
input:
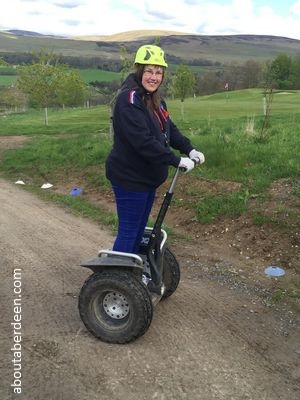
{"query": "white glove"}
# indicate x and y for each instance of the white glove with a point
(186, 163)
(197, 155)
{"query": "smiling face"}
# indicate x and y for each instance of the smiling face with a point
(152, 77)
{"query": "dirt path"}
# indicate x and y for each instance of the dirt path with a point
(206, 342)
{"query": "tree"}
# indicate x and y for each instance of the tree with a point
(280, 70)
(251, 74)
(40, 81)
(12, 98)
(71, 90)
(209, 83)
(127, 62)
(48, 83)
(295, 73)
(183, 84)
(3, 62)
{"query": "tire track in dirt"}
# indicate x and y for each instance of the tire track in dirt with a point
(193, 349)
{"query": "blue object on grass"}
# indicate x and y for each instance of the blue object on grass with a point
(274, 271)
(75, 192)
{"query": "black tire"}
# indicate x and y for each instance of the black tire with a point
(115, 306)
(171, 273)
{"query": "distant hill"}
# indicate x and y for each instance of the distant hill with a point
(18, 32)
(180, 47)
(129, 35)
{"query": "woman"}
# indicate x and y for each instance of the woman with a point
(141, 154)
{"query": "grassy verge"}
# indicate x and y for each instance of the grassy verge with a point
(62, 121)
(76, 142)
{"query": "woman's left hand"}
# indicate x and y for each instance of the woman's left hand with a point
(197, 155)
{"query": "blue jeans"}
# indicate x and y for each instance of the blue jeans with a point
(133, 210)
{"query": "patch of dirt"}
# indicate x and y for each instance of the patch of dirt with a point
(9, 142)
(220, 336)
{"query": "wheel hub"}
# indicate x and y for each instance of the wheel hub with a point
(115, 305)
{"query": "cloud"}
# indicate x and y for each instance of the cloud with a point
(295, 9)
(243, 18)
(105, 17)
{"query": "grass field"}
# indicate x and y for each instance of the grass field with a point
(88, 75)
(91, 75)
(227, 126)
(7, 80)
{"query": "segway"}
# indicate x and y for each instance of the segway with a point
(116, 302)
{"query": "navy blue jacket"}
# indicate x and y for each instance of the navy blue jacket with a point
(141, 152)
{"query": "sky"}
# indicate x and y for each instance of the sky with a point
(106, 17)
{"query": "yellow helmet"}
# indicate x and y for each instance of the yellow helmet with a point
(151, 55)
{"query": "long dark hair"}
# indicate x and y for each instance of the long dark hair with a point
(152, 100)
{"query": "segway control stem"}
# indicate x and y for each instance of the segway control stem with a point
(153, 249)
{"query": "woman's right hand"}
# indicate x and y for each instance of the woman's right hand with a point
(186, 164)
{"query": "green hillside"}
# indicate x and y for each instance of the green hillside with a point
(10, 43)
(189, 47)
